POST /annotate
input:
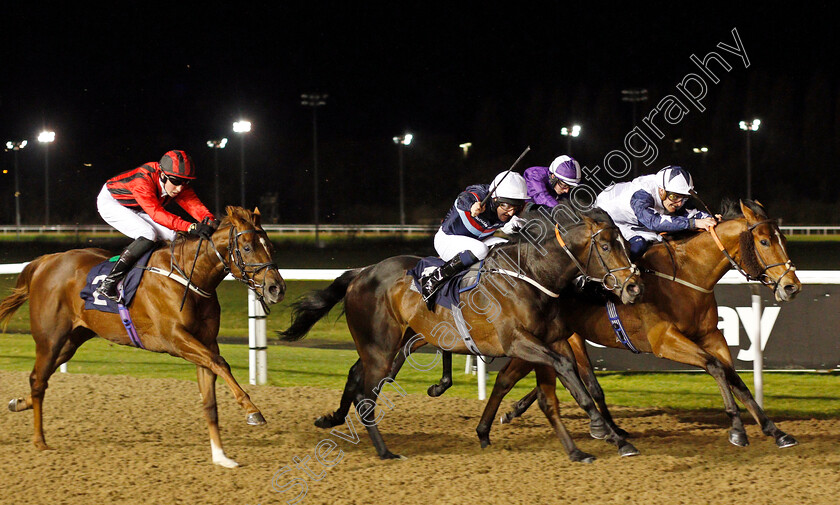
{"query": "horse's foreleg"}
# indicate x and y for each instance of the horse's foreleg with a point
(587, 376)
(508, 376)
(715, 344)
(189, 348)
(207, 388)
(673, 345)
(550, 406)
(530, 349)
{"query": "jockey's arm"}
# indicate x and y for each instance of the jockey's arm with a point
(643, 207)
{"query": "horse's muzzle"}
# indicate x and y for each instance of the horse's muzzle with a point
(787, 292)
(274, 289)
(631, 292)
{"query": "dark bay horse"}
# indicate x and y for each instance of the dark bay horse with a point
(60, 324)
(510, 314)
(676, 319)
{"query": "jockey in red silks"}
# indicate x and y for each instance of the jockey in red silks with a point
(133, 202)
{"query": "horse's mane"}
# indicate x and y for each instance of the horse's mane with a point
(565, 216)
(731, 209)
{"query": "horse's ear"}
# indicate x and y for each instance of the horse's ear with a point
(748, 213)
(229, 210)
(589, 222)
(257, 218)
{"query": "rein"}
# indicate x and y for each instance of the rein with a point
(583, 270)
(248, 271)
(762, 277)
(609, 281)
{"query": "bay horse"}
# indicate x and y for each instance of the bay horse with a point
(676, 319)
(511, 313)
(60, 324)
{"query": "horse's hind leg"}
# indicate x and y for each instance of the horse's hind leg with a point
(520, 406)
(351, 390)
(46, 353)
(207, 387)
(548, 403)
(67, 351)
(512, 372)
(715, 344)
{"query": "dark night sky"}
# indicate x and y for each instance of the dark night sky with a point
(124, 84)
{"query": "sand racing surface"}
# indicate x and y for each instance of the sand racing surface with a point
(120, 439)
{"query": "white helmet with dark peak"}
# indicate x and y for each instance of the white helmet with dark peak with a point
(674, 179)
(510, 189)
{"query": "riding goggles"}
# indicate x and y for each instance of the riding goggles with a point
(676, 197)
(178, 181)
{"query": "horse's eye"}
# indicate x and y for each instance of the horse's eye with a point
(764, 242)
(605, 247)
(247, 248)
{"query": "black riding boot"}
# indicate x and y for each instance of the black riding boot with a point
(431, 283)
(136, 249)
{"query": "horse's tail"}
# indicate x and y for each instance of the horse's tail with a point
(316, 304)
(20, 293)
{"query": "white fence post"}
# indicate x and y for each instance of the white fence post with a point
(257, 345)
(758, 352)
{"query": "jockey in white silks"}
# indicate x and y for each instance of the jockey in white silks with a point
(653, 204)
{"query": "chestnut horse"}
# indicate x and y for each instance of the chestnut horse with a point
(677, 318)
(60, 324)
(511, 313)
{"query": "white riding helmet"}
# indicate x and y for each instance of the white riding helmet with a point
(674, 179)
(565, 168)
(510, 188)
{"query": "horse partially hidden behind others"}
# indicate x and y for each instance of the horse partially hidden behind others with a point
(677, 319)
(60, 324)
(383, 310)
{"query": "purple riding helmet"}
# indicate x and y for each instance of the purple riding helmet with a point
(566, 169)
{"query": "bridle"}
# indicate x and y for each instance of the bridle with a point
(763, 277)
(248, 271)
(609, 281)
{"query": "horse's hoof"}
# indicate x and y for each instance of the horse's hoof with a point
(327, 421)
(506, 418)
(225, 462)
(485, 442)
(13, 405)
(738, 438)
(628, 450)
(579, 456)
(786, 441)
(42, 446)
(391, 455)
(255, 419)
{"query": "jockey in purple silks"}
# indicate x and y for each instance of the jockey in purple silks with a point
(547, 185)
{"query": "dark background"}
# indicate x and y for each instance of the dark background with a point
(124, 83)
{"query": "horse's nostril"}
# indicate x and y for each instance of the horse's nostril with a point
(791, 289)
(633, 289)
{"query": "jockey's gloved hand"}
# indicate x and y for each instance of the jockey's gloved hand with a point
(201, 230)
(213, 224)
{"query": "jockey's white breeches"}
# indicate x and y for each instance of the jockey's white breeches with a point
(448, 246)
(130, 222)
